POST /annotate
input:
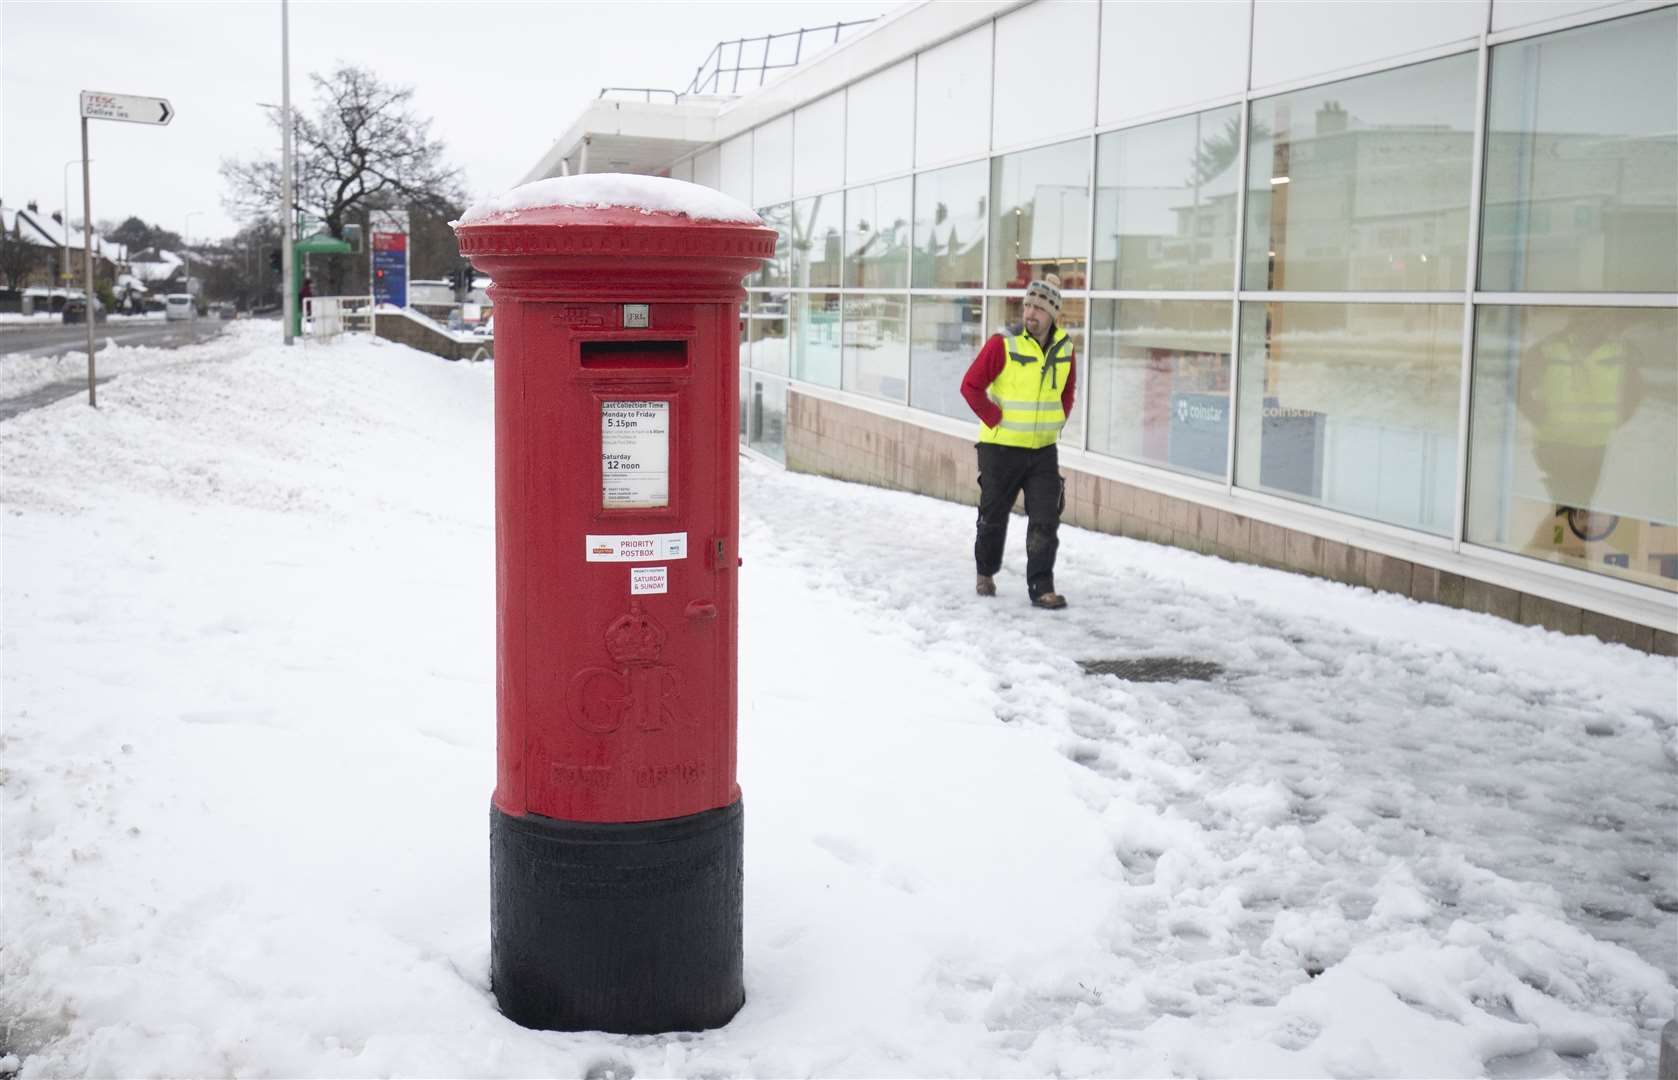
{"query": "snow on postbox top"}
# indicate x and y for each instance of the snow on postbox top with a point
(591, 232)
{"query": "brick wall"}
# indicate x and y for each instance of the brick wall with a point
(830, 439)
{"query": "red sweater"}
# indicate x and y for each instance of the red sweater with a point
(988, 365)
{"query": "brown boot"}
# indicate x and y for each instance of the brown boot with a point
(986, 586)
(1051, 600)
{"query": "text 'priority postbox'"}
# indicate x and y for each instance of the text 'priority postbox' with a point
(617, 828)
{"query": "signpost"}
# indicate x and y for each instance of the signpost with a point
(96, 106)
(389, 259)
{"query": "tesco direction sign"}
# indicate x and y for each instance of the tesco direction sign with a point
(129, 107)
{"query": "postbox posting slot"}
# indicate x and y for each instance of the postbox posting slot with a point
(634, 354)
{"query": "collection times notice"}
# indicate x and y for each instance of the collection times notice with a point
(634, 455)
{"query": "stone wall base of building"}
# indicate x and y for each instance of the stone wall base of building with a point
(830, 439)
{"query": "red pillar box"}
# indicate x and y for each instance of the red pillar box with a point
(616, 831)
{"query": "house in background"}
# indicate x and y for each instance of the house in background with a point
(42, 260)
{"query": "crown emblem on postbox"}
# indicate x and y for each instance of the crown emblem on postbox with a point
(634, 638)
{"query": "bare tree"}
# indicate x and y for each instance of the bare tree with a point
(18, 259)
(363, 147)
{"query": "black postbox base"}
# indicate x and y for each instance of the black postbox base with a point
(631, 928)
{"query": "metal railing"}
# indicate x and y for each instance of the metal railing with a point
(325, 317)
(765, 60)
(711, 82)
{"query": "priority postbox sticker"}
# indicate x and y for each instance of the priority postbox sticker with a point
(648, 547)
(649, 580)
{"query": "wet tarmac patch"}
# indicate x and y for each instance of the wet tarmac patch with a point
(1154, 669)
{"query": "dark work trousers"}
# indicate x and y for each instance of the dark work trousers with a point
(1003, 472)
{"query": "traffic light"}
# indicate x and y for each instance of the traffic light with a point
(274, 260)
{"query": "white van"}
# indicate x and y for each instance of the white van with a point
(177, 306)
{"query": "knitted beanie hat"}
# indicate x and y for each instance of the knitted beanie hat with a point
(1045, 293)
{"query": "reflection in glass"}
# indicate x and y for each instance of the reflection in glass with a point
(1159, 383)
(815, 355)
(1582, 160)
(817, 240)
(766, 405)
(768, 323)
(746, 330)
(745, 396)
(1364, 183)
(1352, 407)
(773, 274)
(1165, 203)
(944, 336)
(950, 227)
(1040, 206)
(876, 344)
(877, 236)
(1005, 312)
(1573, 447)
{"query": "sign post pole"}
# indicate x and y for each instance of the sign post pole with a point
(132, 109)
(87, 262)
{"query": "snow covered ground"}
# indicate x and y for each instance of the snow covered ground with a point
(249, 737)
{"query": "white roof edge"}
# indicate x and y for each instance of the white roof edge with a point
(606, 116)
(917, 26)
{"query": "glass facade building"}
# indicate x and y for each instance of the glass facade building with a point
(1396, 269)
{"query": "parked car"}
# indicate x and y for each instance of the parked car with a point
(178, 306)
(223, 310)
(75, 310)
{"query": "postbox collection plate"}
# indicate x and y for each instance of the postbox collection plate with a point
(634, 454)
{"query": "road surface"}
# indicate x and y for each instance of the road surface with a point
(50, 338)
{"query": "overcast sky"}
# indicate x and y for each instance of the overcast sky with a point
(500, 81)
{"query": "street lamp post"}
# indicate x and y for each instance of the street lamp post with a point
(64, 224)
(186, 243)
(288, 304)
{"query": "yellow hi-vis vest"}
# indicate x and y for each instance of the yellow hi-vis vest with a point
(1028, 391)
(1581, 394)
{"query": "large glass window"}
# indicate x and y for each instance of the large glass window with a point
(769, 332)
(945, 334)
(1043, 71)
(1146, 71)
(819, 164)
(765, 406)
(1159, 383)
(950, 227)
(775, 272)
(737, 168)
(880, 124)
(1040, 205)
(1573, 447)
(1165, 203)
(817, 241)
(1363, 184)
(877, 236)
(1002, 312)
(772, 161)
(1353, 407)
(1294, 39)
(876, 340)
(815, 334)
(1582, 160)
(950, 79)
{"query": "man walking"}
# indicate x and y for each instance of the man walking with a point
(1020, 386)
